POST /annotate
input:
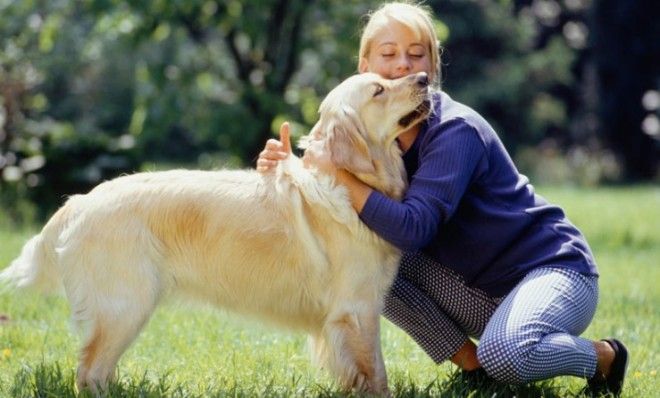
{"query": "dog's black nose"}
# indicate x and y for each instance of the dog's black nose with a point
(422, 79)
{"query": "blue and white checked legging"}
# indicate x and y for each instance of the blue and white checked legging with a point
(530, 334)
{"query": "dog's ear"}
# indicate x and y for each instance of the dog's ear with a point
(348, 149)
(303, 141)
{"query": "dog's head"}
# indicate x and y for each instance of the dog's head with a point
(360, 120)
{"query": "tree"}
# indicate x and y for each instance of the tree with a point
(246, 57)
(493, 63)
(107, 86)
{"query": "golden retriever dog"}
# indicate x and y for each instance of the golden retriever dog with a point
(286, 247)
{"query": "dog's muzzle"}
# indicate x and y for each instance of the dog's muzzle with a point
(420, 112)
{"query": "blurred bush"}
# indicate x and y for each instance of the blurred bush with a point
(583, 166)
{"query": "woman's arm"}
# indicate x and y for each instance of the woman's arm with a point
(357, 190)
(451, 156)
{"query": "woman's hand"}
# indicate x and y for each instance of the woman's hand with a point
(316, 156)
(274, 151)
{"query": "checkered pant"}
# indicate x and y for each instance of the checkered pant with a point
(530, 334)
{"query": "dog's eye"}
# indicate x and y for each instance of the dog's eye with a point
(378, 90)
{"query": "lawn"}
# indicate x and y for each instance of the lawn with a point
(189, 350)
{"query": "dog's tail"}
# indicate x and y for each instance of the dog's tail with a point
(36, 266)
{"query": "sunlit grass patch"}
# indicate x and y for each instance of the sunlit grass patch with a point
(196, 351)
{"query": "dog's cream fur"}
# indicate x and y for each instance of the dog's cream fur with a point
(285, 247)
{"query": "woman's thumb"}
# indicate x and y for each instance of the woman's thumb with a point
(285, 137)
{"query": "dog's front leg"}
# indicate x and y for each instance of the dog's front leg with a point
(353, 351)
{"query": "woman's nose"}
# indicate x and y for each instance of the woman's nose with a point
(403, 63)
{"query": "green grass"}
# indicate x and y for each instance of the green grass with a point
(198, 351)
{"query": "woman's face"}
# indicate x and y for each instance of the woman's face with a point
(396, 52)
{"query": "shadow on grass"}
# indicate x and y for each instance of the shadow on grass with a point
(49, 380)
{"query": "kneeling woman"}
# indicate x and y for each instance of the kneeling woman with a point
(485, 256)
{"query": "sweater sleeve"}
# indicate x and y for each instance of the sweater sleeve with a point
(449, 156)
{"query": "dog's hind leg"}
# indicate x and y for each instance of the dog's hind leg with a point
(114, 316)
(103, 348)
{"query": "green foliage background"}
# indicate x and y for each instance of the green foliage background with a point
(90, 89)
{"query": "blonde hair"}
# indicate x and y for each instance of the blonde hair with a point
(415, 17)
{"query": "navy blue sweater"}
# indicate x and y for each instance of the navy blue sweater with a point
(470, 209)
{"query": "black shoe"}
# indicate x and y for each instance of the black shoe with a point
(477, 378)
(613, 383)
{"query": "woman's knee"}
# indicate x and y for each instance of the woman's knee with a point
(504, 358)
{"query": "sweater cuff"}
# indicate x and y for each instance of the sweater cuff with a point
(370, 208)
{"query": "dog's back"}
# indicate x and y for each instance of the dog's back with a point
(276, 247)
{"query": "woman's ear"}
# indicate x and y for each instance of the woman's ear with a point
(363, 65)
